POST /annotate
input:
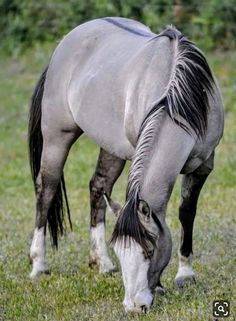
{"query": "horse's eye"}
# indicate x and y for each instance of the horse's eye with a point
(148, 254)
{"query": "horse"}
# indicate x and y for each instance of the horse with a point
(145, 97)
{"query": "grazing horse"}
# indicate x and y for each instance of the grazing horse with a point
(140, 96)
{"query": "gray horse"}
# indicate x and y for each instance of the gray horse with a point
(140, 96)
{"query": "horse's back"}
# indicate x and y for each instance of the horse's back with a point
(106, 75)
(97, 88)
(90, 72)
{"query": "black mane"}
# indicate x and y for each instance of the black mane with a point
(195, 79)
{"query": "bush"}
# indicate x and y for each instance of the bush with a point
(23, 22)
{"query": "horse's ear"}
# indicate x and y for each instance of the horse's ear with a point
(114, 207)
(144, 209)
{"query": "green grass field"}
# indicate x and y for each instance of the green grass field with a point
(73, 292)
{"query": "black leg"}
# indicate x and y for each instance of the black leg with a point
(191, 187)
(107, 171)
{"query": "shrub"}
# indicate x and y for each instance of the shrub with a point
(23, 22)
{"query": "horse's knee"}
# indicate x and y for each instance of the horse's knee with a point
(45, 191)
(97, 201)
(96, 187)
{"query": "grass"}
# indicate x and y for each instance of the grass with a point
(74, 292)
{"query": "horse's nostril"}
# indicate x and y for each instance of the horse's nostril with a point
(144, 309)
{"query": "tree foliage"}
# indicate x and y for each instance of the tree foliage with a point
(211, 23)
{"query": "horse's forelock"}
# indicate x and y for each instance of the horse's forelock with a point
(129, 227)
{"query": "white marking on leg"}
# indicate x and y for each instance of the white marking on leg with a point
(185, 270)
(98, 251)
(37, 253)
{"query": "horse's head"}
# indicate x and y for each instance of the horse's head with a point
(142, 244)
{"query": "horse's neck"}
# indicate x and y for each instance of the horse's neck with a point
(171, 149)
(162, 151)
(144, 149)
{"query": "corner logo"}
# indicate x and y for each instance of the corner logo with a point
(221, 308)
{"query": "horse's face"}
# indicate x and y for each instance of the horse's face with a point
(136, 265)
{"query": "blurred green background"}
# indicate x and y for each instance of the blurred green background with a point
(212, 23)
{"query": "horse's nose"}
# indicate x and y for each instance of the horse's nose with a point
(144, 300)
(141, 303)
(136, 309)
(144, 309)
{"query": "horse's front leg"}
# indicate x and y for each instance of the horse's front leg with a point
(191, 187)
(107, 171)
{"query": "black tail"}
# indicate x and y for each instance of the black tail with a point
(55, 215)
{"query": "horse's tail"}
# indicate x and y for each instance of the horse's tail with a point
(55, 216)
(191, 82)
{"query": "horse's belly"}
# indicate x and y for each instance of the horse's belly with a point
(99, 112)
(112, 143)
(105, 128)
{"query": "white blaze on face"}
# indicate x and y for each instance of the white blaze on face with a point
(134, 271)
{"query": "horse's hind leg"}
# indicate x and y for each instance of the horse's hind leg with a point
(107, 171)
(191, 187)
(56, 145)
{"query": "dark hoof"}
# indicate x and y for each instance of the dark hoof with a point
(111, 271)
(30, 260)
(108, 270)
(144, 309)
(183, 281)
(36, 275)
(92, 263)
(160, 290)
(45, 272)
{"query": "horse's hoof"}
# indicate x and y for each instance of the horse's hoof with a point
(35, 274)
(181, 281)
(30, 259)
(160, 290)
(104, 268)
(92, 263)
(107, 271)
(46, 272)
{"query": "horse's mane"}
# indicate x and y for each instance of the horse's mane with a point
(190, 84)
(186, 97)
(128, 224)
